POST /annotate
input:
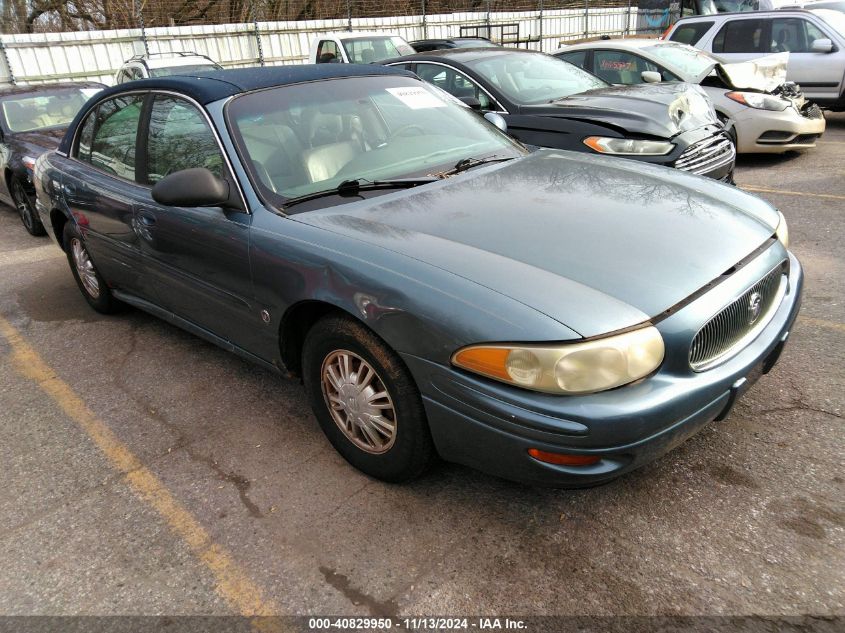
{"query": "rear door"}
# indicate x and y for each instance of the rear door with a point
(100, 188)
(741, 39)
(197, 258)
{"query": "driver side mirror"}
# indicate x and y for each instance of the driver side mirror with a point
(823, 45)
(651, 76)
(196, 187)
(498, 120)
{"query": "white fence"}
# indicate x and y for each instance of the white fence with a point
(96, 55)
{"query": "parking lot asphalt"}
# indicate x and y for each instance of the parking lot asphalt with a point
(145, 471)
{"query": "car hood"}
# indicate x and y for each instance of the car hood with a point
(763, 73)
(597, 243)
(663, 110)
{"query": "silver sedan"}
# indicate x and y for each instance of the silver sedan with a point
(762, 112)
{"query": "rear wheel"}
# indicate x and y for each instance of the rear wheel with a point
(90, 282)
(26, 208)
(366, 400)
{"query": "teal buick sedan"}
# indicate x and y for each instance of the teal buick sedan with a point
(550, 317)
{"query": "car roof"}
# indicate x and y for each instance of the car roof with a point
(632, 43)
(351, 35)
(212, 85)
(168, 61)
(461, 55)
(14, 89)
(715, 17)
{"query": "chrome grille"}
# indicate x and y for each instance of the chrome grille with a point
(743, 317)
(706, 155)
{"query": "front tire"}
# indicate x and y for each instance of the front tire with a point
(90, 282)
(365, 400)
(25, 208)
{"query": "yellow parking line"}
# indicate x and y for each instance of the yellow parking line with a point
(231, 582)
(832, 325)
(792, 193)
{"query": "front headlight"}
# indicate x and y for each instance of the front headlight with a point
(759, 101)
(568, 368)
(782, 231)
(623, 146)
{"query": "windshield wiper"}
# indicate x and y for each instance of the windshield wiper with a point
(469, 163)
(353, 187)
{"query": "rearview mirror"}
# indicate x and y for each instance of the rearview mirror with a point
(823, 45)
(196, 187)
(498, 120)
(651, 76)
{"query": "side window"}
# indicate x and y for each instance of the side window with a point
(690, 33)
(327, 53)
(135, 73)
(123, 76)
(741, 36)
(793, 35)
(108, 136)
(578, 58)
(618, 67)
(179, 138)
(455, 83)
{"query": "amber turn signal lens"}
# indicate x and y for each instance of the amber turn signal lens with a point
(562, 459)
(489, 361)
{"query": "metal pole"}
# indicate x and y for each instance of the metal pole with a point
(140, 16)
(489, 32)
(5, 55)
(586, 18)
(541, 25)
(348, 15)
(628, 20)
(424, 23)
(257, 34)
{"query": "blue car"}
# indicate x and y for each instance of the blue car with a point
(549, 317)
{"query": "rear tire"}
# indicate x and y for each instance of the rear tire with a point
(366, 400)
(90, 282)
(26, 208)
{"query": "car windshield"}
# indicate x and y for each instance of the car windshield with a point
(690, 61)
(186, 69)
(531, 78)
(365, 50)
(308, 138)
(44, 109)
(835, 19)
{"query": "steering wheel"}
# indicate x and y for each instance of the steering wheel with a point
(400, 131)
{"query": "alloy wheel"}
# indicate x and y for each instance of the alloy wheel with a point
(85, 268)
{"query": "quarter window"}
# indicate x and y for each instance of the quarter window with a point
(108, 137)
(578, 58)
(690, 33)
(179, 138)
(455, 83)
(741, 36)
(327, 53)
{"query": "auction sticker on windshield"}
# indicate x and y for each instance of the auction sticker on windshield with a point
(416, 98)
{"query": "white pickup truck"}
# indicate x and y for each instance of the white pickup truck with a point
(356, 48)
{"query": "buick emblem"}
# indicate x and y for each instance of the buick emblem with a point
(755, 304)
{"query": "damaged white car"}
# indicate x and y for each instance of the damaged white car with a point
(761, 110)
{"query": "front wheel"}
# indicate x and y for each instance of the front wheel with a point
(90, 282)
(366, 400)
(26, 209)
(730, 128)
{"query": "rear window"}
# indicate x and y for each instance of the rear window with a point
(690, 33)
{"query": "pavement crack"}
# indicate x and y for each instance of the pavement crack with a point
(383, 609)
(241, 483)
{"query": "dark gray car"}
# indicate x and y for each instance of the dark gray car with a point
(551, 317)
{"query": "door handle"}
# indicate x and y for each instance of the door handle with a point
(146, 218)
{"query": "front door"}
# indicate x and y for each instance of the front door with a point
(197, 258)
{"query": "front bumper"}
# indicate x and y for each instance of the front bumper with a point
(762, 131)
(490, 426)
